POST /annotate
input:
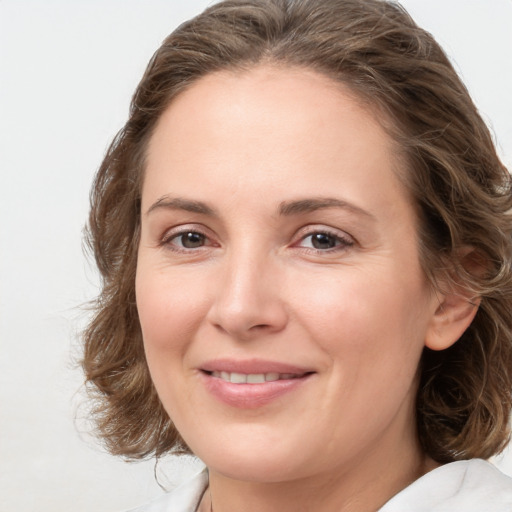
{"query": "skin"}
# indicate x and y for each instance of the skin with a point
(253, 285)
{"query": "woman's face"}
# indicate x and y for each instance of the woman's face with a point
(282, 303)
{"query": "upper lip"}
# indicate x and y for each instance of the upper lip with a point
(252, 366)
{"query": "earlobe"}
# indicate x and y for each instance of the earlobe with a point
(452, 317)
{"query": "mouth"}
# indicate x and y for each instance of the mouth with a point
(254, 378)
(252, 384)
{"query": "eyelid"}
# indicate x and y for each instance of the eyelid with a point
(176, 231)
(346, 239)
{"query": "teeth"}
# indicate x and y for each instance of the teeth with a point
(256, 378)
(238, 378)
(252, 378)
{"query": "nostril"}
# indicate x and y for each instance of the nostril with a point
(260, 326)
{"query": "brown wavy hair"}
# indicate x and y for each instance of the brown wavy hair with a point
(462, 192)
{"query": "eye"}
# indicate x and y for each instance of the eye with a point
(325, 241)
(185, 240)
(191, 240)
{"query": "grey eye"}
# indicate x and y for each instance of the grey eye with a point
(191, 240)
(323, 241)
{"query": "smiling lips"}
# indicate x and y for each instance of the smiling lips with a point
(251, 384)
(253, 378)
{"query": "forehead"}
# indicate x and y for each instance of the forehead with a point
(270, 91)
(269, 127)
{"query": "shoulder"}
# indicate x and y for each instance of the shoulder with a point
(465, 486)
(184, 498)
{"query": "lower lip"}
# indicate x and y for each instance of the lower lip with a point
(250, 396)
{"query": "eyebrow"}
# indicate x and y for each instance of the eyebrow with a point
(286, 208)
(312, 204)
(178, 203)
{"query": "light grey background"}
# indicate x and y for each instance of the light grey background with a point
(67, 71)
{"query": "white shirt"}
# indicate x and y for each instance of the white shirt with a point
(464, 486)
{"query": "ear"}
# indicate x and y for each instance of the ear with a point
(457, 308)
(452, 317)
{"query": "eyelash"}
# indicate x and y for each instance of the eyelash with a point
(169, 237)
(342, 242)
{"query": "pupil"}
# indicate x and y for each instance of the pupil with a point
(323, 241)
(192, 240)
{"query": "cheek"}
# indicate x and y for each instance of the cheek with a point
(169, 311)
(367, 318)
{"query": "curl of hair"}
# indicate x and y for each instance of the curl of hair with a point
(462, 192)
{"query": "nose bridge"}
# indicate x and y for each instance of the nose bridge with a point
(248, 298)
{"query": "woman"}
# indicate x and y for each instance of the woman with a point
(305, 241)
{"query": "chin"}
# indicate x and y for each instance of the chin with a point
(256, 469)
(252, 461)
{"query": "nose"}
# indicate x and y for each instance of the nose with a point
(249, 301)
